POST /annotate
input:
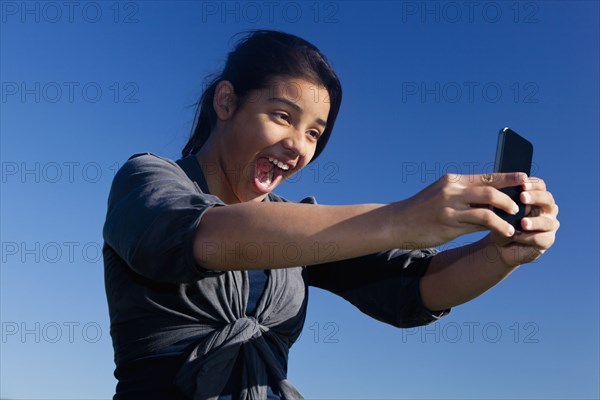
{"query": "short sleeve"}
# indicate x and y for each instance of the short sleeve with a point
(152, 215)
(385, 286)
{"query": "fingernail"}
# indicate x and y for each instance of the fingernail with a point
(515, 210)
(511, 231)
(526, 197)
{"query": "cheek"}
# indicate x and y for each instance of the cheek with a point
(310, 152)
(255, 131)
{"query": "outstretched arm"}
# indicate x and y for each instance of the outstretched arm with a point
(276, 235)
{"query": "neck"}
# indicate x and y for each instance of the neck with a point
(212, 169)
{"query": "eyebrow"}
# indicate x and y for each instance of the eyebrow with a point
(296, 107)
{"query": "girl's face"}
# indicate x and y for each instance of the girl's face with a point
(269, 138)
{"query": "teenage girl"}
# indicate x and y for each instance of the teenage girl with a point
(207, 270)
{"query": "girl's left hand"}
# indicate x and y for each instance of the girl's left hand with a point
(539, 226)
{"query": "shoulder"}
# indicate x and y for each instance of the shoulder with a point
(146, 171)
(148, 159)
(147, 163)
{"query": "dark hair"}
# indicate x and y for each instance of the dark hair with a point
(257, 58)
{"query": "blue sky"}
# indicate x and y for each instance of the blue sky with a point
(427, 86)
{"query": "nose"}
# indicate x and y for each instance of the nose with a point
(296, 144)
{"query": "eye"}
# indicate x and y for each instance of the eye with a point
(282, 116)
(314, 134)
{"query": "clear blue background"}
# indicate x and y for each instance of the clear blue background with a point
(427, 86)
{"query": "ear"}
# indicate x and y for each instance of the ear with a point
(224, 101)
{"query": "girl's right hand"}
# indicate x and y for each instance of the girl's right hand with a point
(455, 205)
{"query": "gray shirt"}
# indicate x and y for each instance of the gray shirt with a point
(162, 302)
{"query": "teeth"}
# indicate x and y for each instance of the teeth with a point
(281, 165)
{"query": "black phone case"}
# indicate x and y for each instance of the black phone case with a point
(513, 154)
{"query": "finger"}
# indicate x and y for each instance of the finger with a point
(487, 219)
(540, 240)
(498, 180)
(543, 223)
(488, 196)
(539, 198)
(533, 183)
(533, 211)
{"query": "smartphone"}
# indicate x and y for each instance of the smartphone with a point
(513, 154)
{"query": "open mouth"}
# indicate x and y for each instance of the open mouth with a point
(268, 173)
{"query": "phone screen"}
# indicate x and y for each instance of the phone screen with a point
(513, 154)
